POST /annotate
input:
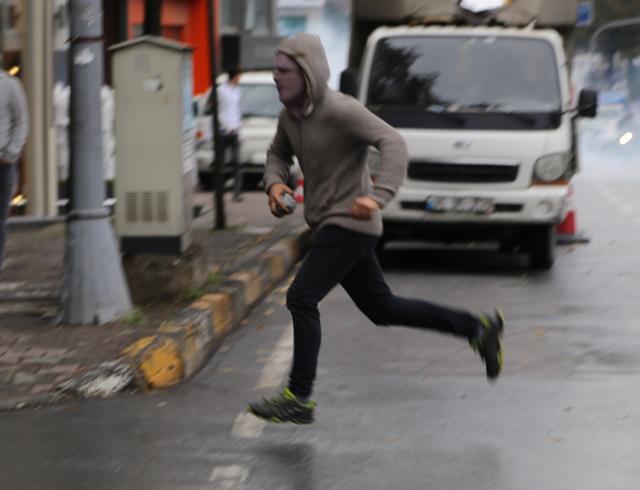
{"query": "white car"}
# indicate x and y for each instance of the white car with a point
(260, 108)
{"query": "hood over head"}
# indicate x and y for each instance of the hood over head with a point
(307, 50)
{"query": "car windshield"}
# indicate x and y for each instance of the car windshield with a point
(259, 100)
(480, 74)
(256, 100)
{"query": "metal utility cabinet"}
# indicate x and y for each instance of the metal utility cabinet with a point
(155, 145)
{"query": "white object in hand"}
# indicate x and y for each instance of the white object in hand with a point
(289, 202)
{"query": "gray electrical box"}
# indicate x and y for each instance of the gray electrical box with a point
(155, 138)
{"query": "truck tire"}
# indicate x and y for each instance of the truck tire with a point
(542, 243)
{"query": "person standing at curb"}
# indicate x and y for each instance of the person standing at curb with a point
(14, 126)
(230, 118)
(330, 133)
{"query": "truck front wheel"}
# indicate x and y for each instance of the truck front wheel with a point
(541, 247)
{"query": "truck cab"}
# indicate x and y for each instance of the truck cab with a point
(489, 121)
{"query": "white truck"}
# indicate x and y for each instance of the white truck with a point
(480, 91)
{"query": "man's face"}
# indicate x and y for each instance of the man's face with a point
(289, 80)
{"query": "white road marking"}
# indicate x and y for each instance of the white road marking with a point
(231, 477)
(279, 361)
(247, 426)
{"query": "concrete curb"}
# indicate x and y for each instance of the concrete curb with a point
(184, 343)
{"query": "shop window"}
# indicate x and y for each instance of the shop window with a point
(258, 16)
(290, 25)
(174, 32)
(231, 11)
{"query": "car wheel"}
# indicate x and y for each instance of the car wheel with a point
(542, 243)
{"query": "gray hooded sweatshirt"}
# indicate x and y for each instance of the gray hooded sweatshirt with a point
(14, 120)
(331, 143)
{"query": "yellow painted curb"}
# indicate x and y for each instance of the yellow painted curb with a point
(164, 360)
(277, 267)
(292, 246)
(252, 286)
(192, 349)
(138, 346)
(221, 307)
(157, 360)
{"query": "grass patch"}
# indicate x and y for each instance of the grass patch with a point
(134, 317)
(239, 227)
(191, 294)
(214, 279)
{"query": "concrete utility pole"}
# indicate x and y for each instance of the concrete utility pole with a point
(218, 163)
(95, 290)
(40, 176)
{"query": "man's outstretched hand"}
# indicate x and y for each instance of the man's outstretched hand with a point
(277, 207)
(364, 208)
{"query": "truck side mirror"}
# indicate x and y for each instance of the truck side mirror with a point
(349, 82)
(588, 103)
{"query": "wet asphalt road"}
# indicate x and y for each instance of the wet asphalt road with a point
(398, 409)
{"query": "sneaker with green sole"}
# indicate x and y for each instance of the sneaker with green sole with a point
(487, 343)
(285, 407)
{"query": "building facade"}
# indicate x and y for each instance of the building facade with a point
(34, 38)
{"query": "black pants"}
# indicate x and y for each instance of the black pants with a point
(230, 141)
(340, 256)
(7, 181)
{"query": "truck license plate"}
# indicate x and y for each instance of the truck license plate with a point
(466, 205)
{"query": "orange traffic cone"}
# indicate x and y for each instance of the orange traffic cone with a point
(567, 231)
(299, 191)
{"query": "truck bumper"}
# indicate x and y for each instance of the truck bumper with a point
(514, 210)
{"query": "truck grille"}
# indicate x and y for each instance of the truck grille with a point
(499, 207)
(454, 172)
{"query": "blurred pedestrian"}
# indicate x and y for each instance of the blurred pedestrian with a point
(14, 126)
(330, 133)
(61, 94)
(230, 117)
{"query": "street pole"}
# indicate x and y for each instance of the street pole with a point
(94, 290)
(611, 25)
(152, 17)
(218, 177)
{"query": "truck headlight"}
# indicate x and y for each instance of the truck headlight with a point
(551, 167)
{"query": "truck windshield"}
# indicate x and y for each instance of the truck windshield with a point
(489, 82)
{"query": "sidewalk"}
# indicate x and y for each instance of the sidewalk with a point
(165, 341)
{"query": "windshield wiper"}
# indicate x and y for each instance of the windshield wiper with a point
(451, 116)
(437, 111)
(519, 115)
(493, 108)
